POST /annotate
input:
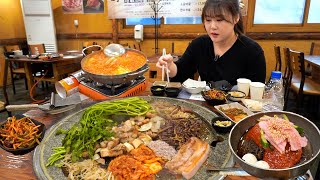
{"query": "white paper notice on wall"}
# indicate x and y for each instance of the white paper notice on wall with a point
(36, 7)
(143, 8)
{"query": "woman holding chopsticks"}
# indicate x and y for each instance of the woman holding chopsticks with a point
(225, 53)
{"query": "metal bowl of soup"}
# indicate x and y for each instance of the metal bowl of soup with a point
(309, 152)
(115, 70)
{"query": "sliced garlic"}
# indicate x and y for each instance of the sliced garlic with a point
(146, 127)
(136, 143)
(128, 146)
(95, 157)
(145, 138)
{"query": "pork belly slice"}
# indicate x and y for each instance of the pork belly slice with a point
(189, 158)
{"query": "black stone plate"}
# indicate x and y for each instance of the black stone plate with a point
(219, 156)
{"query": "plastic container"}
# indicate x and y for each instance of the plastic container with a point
(274, 93)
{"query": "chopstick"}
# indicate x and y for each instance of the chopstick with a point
(162, 76)
(167, 71)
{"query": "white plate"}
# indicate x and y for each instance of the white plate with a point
(233, 105)
(253, 105)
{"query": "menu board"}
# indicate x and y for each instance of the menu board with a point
(119, 9)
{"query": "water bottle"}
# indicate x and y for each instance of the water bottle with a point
(274, 93)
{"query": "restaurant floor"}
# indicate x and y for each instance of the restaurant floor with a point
(22, 97)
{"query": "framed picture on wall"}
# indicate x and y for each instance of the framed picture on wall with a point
(93, 6)
(82, 6)
(72, 6)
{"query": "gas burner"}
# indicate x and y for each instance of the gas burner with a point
(100, 91)
(97, 84)
(114, 87)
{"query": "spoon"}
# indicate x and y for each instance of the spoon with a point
(114, 50)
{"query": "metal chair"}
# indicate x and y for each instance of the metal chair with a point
(297, 81)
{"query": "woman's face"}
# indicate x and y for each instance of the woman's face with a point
(220, 29)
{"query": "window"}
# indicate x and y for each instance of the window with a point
(183, 20)
(314, 13)
(168, 20)
(142, 21)
(273, 12)
(283, 16)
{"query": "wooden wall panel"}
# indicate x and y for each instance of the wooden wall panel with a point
(11, 20)
(88, 23)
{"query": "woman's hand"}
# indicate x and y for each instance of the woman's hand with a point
(164, 60)
(167, 61)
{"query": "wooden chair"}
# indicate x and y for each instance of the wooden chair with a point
(315, 48)
(5, 102)
(297, 81)
(37, 48)
(278, 66)
(39, 70)
(278, 58)
(137, 46)
(125, 45)
(15, 68)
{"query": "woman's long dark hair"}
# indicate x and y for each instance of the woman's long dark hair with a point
(219, 8)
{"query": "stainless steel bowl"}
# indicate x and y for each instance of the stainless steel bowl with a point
(311, 151)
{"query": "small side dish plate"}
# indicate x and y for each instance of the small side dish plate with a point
(160, 83)
(253, 105)
(26, 123)
(193, 90)
(222, 124)
(233, 111)
(236, 95)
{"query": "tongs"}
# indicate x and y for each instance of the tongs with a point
(56, 102)
(165, 67)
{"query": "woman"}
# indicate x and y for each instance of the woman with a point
(224, 53)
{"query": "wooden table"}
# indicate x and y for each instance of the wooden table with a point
(20, 167)
(61, 65)
(314, 61)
